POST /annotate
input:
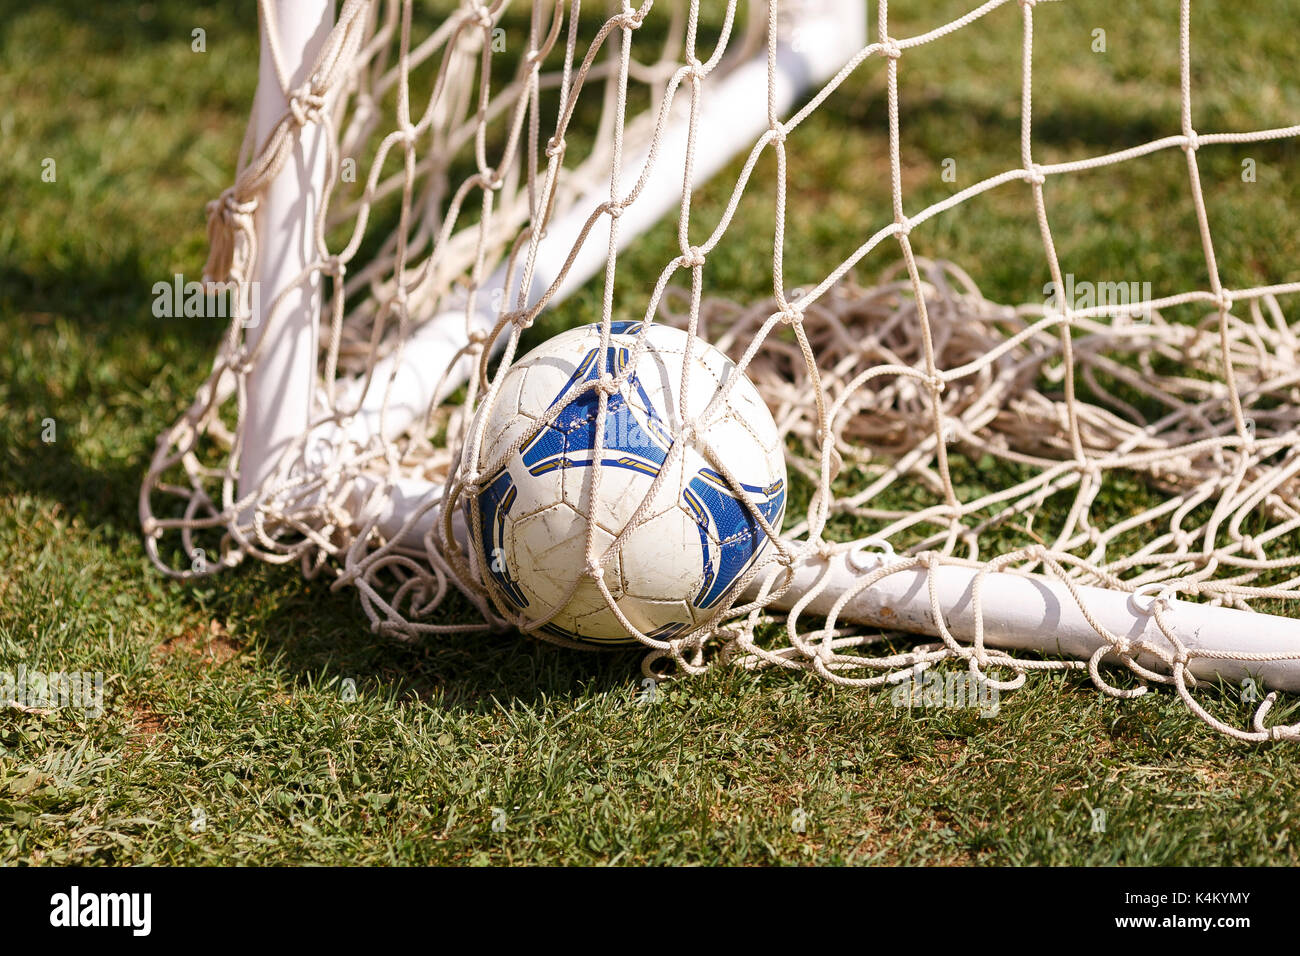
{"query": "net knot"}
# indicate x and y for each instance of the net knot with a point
(607, 384)
(1034, 173)
(629, 19)
(230, 207)
(779, 133)
(1030, 4)
(1183, 540)
(480, 16)
(595, 571)
(614, 209)
(305, 105)
(555, 146)
(335, 266)
(408, 135)
(890, 48)
(1224, 300)
(792, 316)
(904, 226)
(692, 257)
(694, 68)
(1191, 142)
(230, 224)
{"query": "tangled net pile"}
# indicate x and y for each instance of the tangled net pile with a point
(465, 154)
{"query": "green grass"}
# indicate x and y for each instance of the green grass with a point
(230, 734)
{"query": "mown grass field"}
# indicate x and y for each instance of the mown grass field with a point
(227, 736)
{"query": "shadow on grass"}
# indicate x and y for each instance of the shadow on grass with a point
(316, 634)
(313, 633)
(1094, 125)
(86, 352)
(112, 27)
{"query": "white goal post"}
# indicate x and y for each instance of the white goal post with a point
(340, 455)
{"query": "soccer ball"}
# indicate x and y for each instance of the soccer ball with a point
(535, 506)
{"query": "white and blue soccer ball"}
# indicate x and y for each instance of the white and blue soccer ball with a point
(535, 506)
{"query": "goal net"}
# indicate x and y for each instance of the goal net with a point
(1106, 478)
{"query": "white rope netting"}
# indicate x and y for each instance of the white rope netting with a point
(893, 397)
